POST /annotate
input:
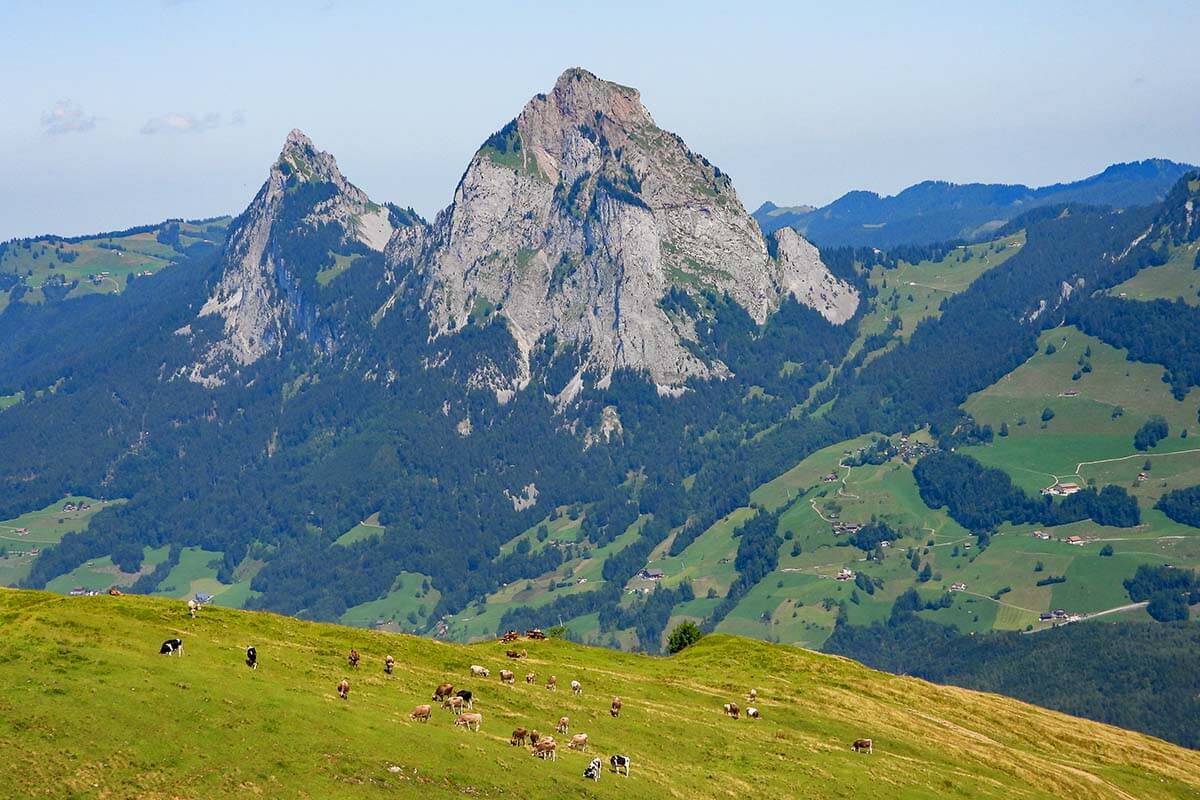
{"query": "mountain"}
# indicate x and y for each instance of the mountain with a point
(114, 718)
(577, 218)
(935, 211)
(259, 298)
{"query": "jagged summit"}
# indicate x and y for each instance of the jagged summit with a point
(256, 296)
(578, 216)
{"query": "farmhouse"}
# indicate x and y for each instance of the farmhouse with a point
(845, 575)
(958, 587)
(1075, 540)
(830, 478)
(1062, 489)
(651, 574)
(1069, 393)
(1045, 537)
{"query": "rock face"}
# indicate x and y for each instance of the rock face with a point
(573, 222)
(257, 298)
(578, 217)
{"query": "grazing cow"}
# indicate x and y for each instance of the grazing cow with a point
(862, 745)
(530, 677)
(422, 713)
(732, 710)
(578, 742)
(516, 653)
(752, 712)
(443, 691)
(344, 689)
(594, 769)
(507, 676)
(546, 748)
(753, 695)
(353, 658)
(616, 707)
(534, 737)
(469, 721)
(467, 698)
(620, 763)
(454, 703)
(563, 724)
(251, 657)
(171, 647)
(389, 664)
(193, 607)
(479, 672)
(576, 687)
(552, 683)
(114, 591)
(518, 737)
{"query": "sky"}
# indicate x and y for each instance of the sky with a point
(126, 113)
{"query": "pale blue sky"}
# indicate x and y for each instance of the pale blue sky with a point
(143, 110)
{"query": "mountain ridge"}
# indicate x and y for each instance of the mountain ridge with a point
(932, 210)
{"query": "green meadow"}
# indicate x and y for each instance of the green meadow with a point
(102, 714)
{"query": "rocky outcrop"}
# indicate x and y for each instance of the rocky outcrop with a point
(578, 217)
(256, 298)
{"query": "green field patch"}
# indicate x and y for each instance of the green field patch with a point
(47, 526)
(559, 529)
(708, 561)
(367, 529)
(99, 574)
(406, 606)
(1095, 416)
(1178, 279)
(7, 401)
(341, 263)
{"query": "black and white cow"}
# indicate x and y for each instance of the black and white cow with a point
(594, 769)
(251, 658)
(171, 647)
(466, 696)
(620, 763)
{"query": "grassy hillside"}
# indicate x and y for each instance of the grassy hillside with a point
(94, 711)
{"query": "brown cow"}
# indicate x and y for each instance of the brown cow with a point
(753, 695)
(534, 737)
(563, 724)
(516, 653)
(552, 683)
(453, 703)
(389, 664)
(344, 689)
(443, 691)
(530, 677)
(511, 636)
(616, 707)
(507, 676)
(546, 748)
(861, 745)
(421, 713)
(469, 721)
(732, 710)
(353, 658)
(578, 742)
(518, 737)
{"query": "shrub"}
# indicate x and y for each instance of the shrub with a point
(683, 636)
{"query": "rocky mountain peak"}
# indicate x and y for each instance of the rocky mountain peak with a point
(257, 297)
(577, 218)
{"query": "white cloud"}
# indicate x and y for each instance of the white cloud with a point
(181, 123)
(67, 116)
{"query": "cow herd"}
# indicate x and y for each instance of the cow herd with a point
(461, 703)
(545, 747)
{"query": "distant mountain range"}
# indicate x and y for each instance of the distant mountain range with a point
(934, 211)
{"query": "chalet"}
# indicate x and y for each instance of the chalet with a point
(22, 531)
(69, 507)
(1045, 616)
(830, 478)
(1062, 489)
(1060, 613)
(958, 587)
(651, 574)
(1069, 393)
(1045, 537)
(1075, 540)
(845, 575)
(78, 591)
